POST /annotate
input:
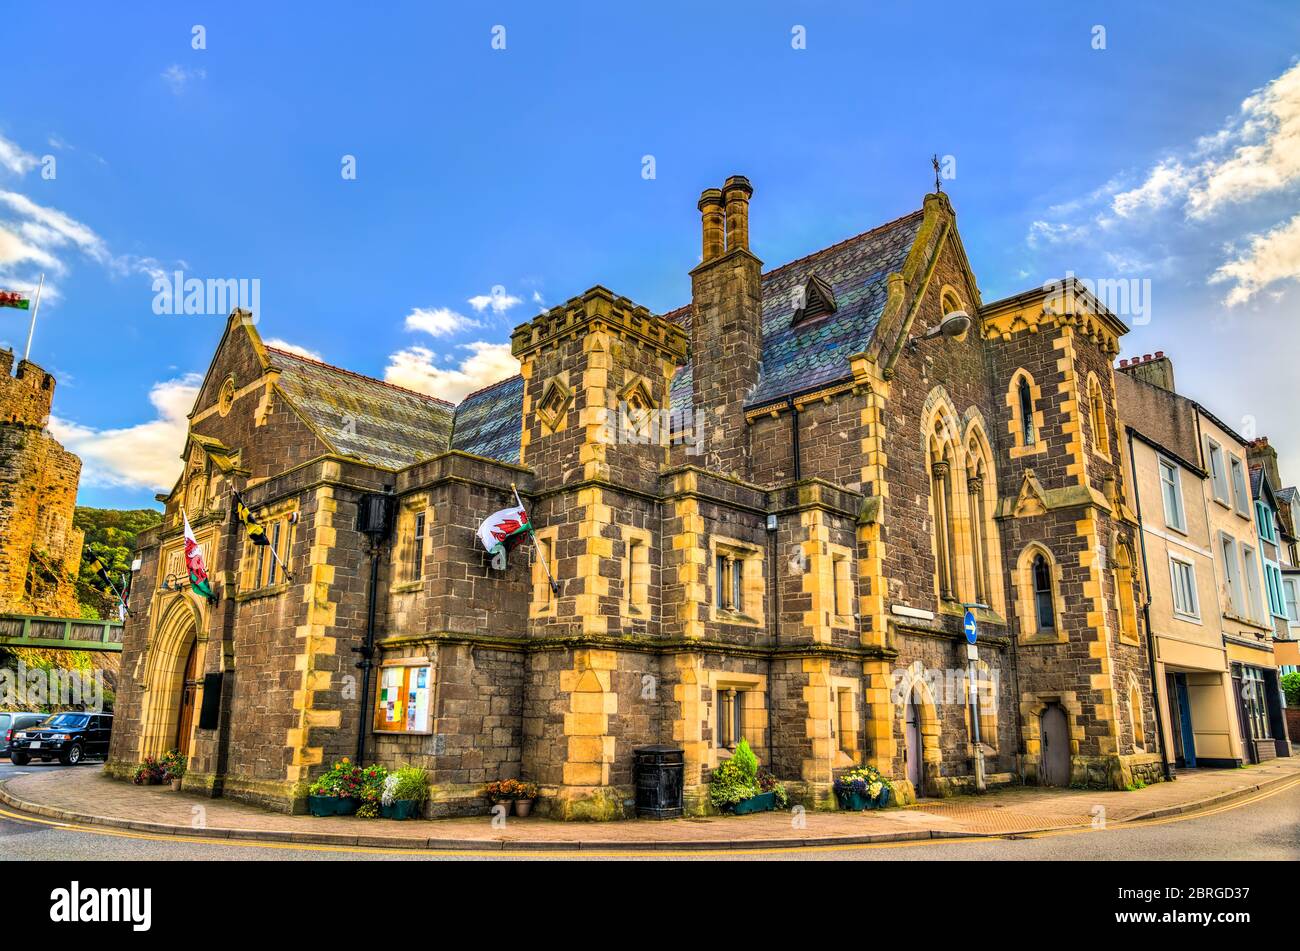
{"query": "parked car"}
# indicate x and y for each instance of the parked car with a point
(10, 722)
(67, 737)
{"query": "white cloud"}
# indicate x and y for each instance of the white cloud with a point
(280, 344)
(178, 77)
(35, 238)
(14, 159)
(1048, 232)
(498, 300)
(415, 368)
(438, 321)
(1272, 256)
(144, 456)
(1263, 145)
(1166, 183)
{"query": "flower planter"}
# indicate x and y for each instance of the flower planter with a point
(323, 805)
(400, 809)
(852, 801)
(763, 802)
(523, 807)
(345, 805)
(176, 785)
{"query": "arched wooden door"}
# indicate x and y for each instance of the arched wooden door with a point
(189, 689)
(912, 737)
(1054, 766)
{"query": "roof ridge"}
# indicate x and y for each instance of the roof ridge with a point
(360, 376)
(490, 386)
(669, 315)
(839, 244)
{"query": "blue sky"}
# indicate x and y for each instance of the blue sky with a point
(1171, 155)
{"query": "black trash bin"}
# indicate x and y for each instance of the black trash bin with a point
(658, 772)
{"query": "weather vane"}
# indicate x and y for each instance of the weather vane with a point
(935, 162)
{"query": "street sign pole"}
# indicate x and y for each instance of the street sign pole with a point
(972, 654)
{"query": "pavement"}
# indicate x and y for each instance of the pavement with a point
(84, 796)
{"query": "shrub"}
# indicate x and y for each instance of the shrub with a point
(727, 785)
(148, 772)
(746, 762)
(370, 786)
(173, 765)
(408, 783)
(342, 780)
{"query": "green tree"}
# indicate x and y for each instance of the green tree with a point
(110, 534)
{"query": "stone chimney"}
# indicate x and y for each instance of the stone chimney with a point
(726, 327)
(1158, 370)
(1260, 453)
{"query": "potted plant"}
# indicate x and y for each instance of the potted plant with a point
(738, 786)
(863, 787)
(336, 791)
(173, 767)
(405, 791)
(148, 773)
(370, 791)
(525, 796)
(500, 791)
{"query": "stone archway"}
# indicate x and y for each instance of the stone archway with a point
(918, 720)
(165, 675)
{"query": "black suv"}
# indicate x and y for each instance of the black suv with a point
(67, 737)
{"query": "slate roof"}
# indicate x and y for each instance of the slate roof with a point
(381, 424)
(815, 352)
(489, 422)
(1256, 480)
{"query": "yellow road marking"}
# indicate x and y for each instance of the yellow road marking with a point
(636, 853)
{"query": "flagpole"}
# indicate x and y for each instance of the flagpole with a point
(555, 585)
(239, 500)
(31, 328)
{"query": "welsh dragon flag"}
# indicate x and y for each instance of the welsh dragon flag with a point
(194, 561)
(504, 529)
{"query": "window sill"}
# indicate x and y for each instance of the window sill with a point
(1043, 637)
(406, 587)
(269, 591)
(728, 616)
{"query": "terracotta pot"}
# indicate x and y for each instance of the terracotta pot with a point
(523, 807)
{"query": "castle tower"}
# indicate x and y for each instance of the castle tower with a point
(39, 549)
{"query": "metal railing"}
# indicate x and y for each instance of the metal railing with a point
(74, 634)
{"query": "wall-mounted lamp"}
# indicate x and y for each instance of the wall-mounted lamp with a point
(953, 326)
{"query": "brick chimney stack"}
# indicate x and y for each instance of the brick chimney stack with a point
(726, 327)
(1157, 370)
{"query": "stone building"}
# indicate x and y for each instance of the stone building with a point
(767, 512)
(40, 551)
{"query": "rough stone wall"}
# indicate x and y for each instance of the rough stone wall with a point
(40, 551)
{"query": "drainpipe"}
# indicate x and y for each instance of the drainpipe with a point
(774, 618)
(1146, 617)
(367, 651)
(794, 439)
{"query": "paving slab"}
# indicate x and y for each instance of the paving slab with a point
(85, 795)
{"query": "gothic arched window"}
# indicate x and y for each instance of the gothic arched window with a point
(1044, 609)
(1025, 396)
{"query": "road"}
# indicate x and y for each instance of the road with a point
(1265, 827)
